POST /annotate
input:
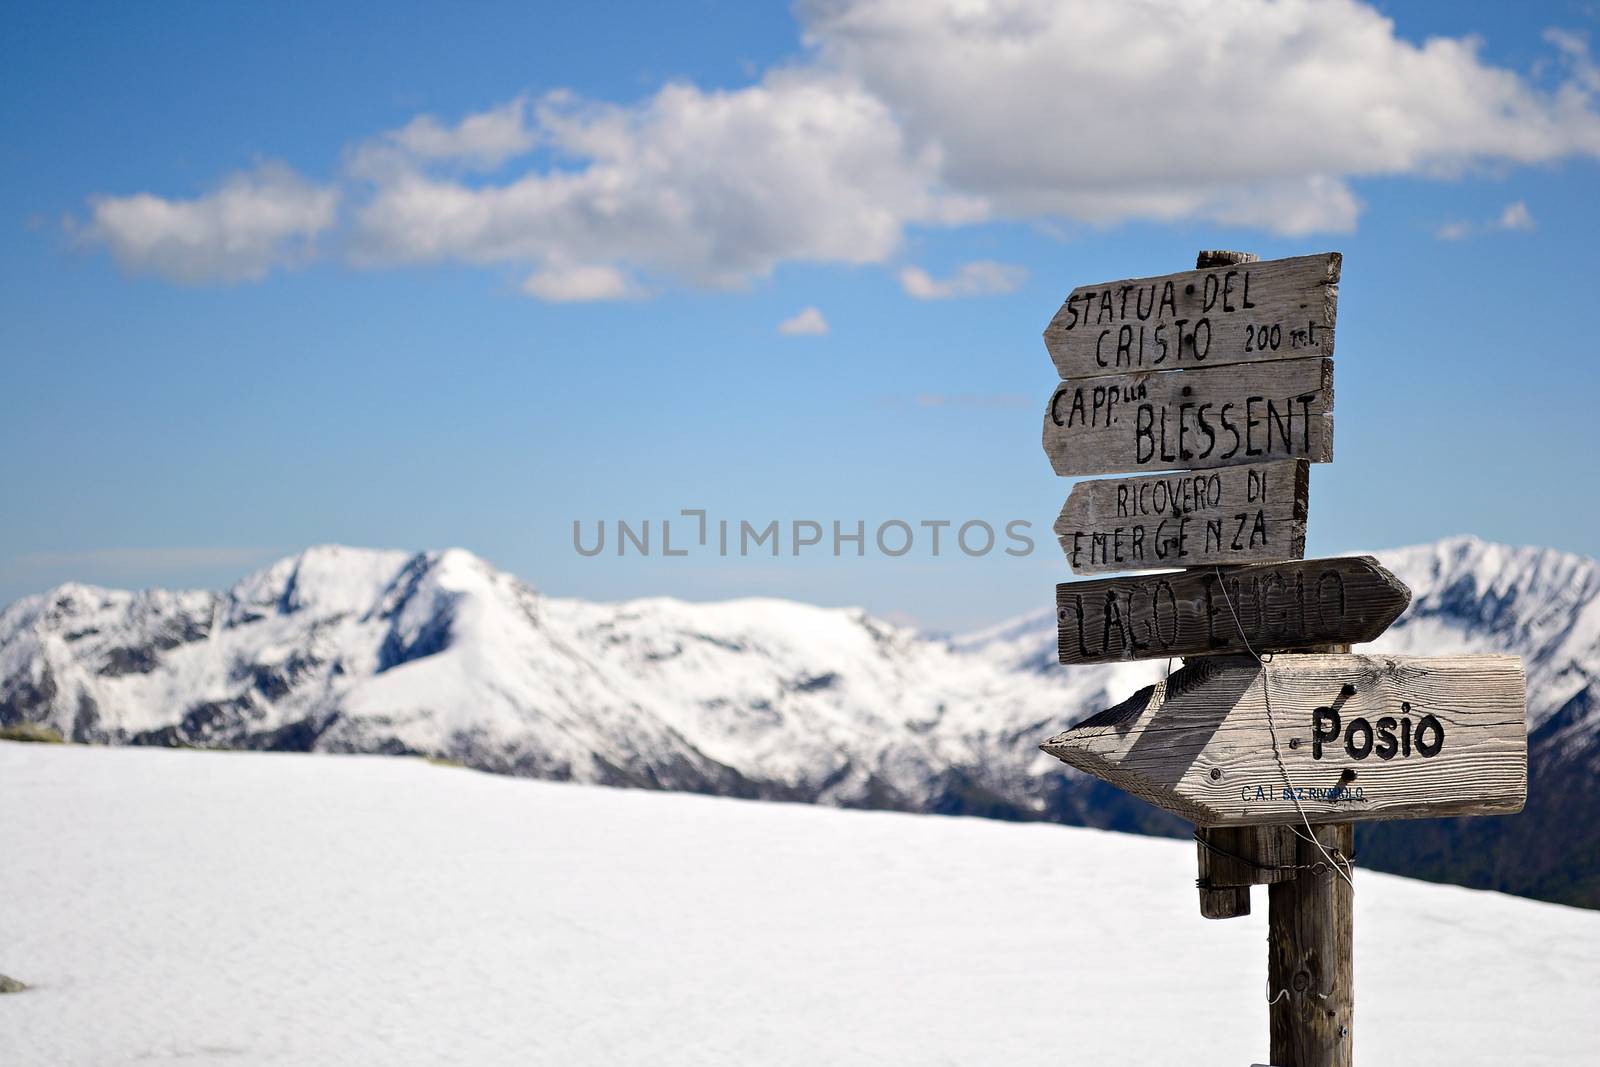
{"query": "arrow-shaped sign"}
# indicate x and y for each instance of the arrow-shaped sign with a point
(1243, 313)
(1231, 516)
(1192, 419)
(1338, 737)
(1260, 608)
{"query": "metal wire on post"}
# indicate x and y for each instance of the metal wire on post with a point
(1266, 697)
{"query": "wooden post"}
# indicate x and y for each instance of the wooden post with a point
(1225, 881)
(1234, 858)
(1310, 929)
(1224, 884)
(1310, 956)
(1261, 760)
(1310, 968)
(1207, 259)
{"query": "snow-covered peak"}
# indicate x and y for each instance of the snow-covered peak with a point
(342, 648)
(1470, 595)
(1465, 562)
(1027, 642)
(324, 579)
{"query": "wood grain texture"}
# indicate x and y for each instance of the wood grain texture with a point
(1245, 855)
(1192, 420)
(1264, 607)
(1311, 958)
(1224, 902)
(1414, 737)
(1227, 516)
(1241, 313)
(1207, 258)
(1234, 858)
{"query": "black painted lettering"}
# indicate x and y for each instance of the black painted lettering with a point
(1330, 611)
(1222, 416)
(1250, 424)
(1169, 301)
(1112, 616)
(1429, 747)
(1205, 428)
(1214, 610)
(1172, 614)
(1260, 530)
(1077, 605)
(1358, 750)
(1285, 426)
(1144, 444)
(1387, 745)
(1324, 728)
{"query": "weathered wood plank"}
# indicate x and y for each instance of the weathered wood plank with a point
(1310, 956)
(1228, 516)
(1265, 607)
(1245, 313)
(1234, 858)
(1192, 420)
(1339, 737)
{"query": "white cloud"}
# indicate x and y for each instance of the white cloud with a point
(1515, 217)
(807, 322)
(253, 222)
(906, 113)
(483, 141)
(716, 188)
(1250, 112)
(1574, 51)
(982, 278)
(560, 284)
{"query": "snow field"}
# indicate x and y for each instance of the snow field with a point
(244, 908)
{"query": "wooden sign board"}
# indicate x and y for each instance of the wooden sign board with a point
(1227, 516)
(1263, 607)
(1246, 313)
(1347, 737)
(1192, 420)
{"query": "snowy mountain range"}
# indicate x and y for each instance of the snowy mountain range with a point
(438, 653)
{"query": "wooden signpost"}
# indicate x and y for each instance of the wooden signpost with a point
(1276, 606)
(1359, 737)
(1225, 516)
(1192, 420)
(1224, 312)
(1272, 738)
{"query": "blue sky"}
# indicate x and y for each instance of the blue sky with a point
(414, 277)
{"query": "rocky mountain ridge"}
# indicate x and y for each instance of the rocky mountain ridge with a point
(440, 654)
